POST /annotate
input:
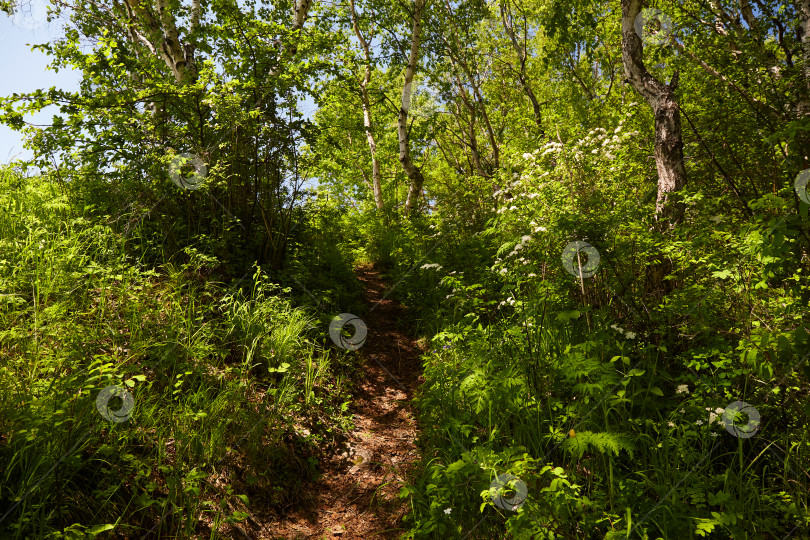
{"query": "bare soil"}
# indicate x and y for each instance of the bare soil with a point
(357, 494)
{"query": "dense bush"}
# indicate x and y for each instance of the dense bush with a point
(224, 379)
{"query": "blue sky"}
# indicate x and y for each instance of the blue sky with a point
(24, 70)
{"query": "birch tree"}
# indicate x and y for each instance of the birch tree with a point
(417, 180)
(661, 98)
(376, 174)
(520, 45)
(804, 22)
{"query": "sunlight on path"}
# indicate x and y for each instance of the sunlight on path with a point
(357, 495)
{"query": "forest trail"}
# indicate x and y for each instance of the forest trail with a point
(357, 496)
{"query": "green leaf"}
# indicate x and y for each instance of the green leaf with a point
(566, 316)
(97, 529)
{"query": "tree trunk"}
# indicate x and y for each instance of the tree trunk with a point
(413, 172)
(376, 174)
(661, 97)
(803, 8)
(162, 38)
(521, 50)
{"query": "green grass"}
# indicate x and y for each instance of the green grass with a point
(575, 388)
(578, 396)
(222, 376)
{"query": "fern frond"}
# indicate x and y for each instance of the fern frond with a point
(601, 442)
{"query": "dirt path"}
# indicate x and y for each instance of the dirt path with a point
(357, 495)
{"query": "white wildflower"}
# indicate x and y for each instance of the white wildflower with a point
(682, 389)
(716, 415)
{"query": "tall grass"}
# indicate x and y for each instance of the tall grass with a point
(221, 374)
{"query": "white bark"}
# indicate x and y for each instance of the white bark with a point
(521, 50)
(661, 98)
(376, 174)
(804, 14)
(162, 37)
(413, 172)
(300, 12)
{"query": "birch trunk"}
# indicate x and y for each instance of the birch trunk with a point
(413, 172)
(803, 8)
(661, 98)
(376, 175)
(522, 53)
(162, 38)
